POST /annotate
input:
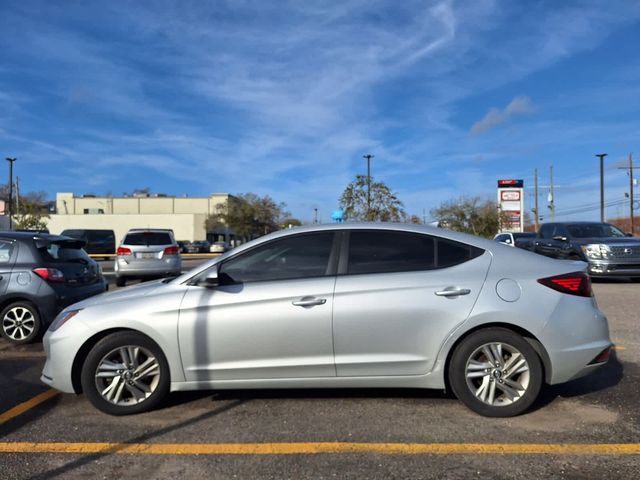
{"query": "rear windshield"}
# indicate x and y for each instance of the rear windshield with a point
(603, 230)
(64, 252)
(147, 238)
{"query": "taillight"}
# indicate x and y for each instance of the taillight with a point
(577, 283)
(122, 251)
(52, 275)
(171, 251)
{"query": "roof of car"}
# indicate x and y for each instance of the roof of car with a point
(574, 222)
(34, 235)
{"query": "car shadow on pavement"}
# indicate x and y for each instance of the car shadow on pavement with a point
(606, 377)
(87, 459)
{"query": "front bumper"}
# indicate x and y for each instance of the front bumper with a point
(61, 348)
(608, 268)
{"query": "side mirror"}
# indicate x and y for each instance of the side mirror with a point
(211, 279)
(560, 238)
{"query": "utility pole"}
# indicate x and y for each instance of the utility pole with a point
(552, 205)
(535, 209)
(630, 173)
(601, 156)
(17, 195)
(368, 157)
(315, 217)
(10, 210)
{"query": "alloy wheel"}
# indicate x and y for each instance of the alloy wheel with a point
(18, 323)
(498, 374)
(127, 375)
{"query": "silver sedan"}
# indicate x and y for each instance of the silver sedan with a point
(344, 305)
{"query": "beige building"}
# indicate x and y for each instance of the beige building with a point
(184, 215)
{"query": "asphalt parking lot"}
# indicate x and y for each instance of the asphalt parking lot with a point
(588, 428)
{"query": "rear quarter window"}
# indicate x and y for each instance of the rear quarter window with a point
(6, 249)
(450, 253)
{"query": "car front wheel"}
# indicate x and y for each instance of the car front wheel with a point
(496, 373)
(125, 373)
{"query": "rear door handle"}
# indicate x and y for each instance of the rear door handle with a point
(309, 302)
(453, 292)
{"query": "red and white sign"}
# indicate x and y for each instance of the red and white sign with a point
(510, 195)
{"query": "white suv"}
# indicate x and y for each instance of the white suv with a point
(147, 253)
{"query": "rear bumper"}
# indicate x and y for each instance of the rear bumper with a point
(574, 336)
(61, 296)
(153, 268)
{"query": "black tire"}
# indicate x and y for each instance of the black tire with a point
(92, 386)
(635, 279)
(494, 378)
(121, 281)
(20, 323)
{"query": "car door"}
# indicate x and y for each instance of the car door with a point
(270, 317)
(398, 296)
(544, 243)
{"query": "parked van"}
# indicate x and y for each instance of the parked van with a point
(96, 242)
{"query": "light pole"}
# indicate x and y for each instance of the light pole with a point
(368, 157)
(601, 156)
(315, 217)
(10, 160)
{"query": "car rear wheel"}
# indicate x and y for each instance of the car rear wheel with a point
(125, 373)
(20, 322)
(496, 373)
(121, 281)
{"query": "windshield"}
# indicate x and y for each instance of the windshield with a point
(147, 238)
(594, 230)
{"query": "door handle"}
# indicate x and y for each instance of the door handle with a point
(452, 292)
(309, 302)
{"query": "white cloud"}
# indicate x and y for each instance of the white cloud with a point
(521, 105)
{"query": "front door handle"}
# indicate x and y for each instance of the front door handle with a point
(453, 292)
(309, 302)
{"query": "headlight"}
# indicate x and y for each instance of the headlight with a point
(63, 318)
(596, 251)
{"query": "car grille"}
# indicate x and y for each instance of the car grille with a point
(626, 253)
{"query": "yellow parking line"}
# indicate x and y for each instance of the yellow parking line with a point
(28, 405)
(324, 447)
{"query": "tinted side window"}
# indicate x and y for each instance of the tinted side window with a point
(380, 252)
(300, 256)
(545, 231)
(452, 253)
(6, 249)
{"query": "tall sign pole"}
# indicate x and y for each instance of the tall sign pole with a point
(631, 193)
(537, 215)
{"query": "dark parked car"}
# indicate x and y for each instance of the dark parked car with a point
(199, 246)
(40, 275)
(609, 251)
(96, 242)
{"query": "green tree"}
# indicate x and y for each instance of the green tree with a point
(30, 211)
(248, 216)
(385, 205)
(469, 215)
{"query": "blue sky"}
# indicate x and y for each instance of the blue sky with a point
(284, 98)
